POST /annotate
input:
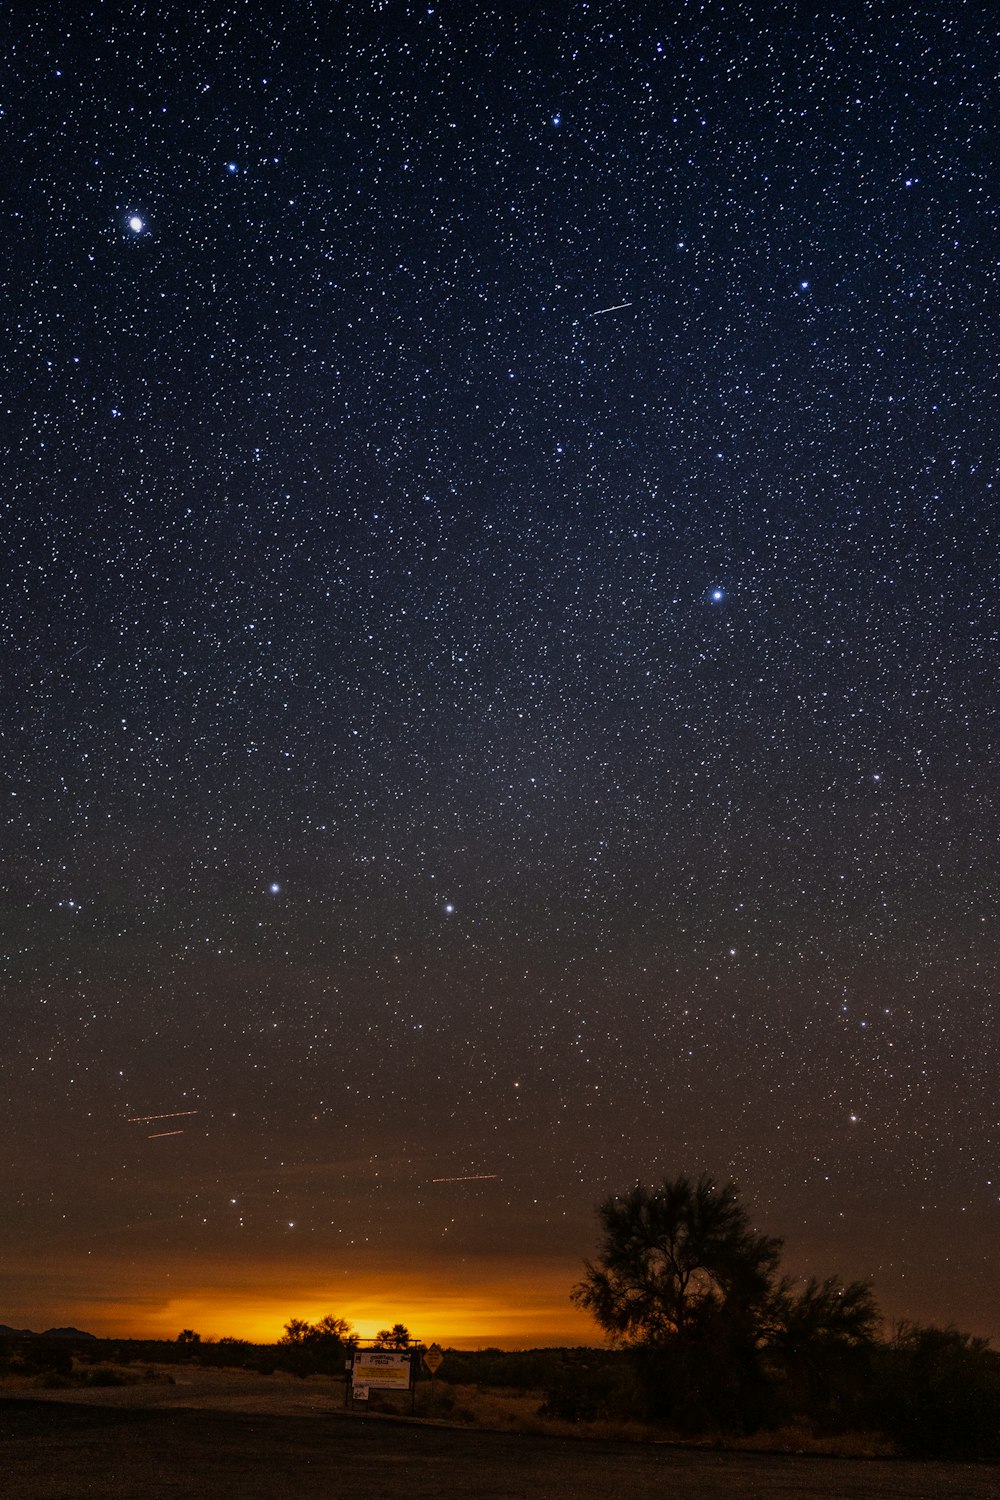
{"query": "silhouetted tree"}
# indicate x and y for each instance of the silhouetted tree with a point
(684, 1280)
(821, 1337)
(396, 1337)
(189, 1337)
(671, 1256)
(311, 1348)
(824, 1312)
(335, 1330)
(297, 1331)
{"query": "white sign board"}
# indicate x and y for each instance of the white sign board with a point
(381, 1369)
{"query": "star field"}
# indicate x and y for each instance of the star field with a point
(501, 648)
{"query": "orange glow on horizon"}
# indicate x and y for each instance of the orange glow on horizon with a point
(502, 1306)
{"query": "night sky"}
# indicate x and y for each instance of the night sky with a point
(500, 652)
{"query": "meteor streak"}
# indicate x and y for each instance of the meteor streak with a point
(161, 1133)
(478, 1177)
(145, 1119)
(617, 308)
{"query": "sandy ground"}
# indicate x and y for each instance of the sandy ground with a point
(245, 1437)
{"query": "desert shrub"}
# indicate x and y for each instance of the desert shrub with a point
(694, 1387)
(104, 1375)
(314, 1348)
(228, 1354)
(581, 1393)
(436, 1401)
(40, 1357)
(522, 1370)
(938, 1394)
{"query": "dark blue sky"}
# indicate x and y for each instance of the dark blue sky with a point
(501, 638)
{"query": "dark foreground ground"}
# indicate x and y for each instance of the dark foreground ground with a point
(51, 1451)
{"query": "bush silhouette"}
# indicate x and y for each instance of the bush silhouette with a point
(939, 1394)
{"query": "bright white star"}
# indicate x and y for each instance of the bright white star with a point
(136, 224)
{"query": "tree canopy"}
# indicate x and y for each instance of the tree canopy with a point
(396, 1337)
(329, 1330)
(684, 1278)
(671, 1254)
(312, 1348)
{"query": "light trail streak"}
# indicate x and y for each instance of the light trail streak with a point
(145, 1119)
(158, 1136)
(618, 307)
(478, 1177)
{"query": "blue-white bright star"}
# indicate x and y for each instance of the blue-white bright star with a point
(717, 595)
(449, 908)
(136, 224)
(274, 888)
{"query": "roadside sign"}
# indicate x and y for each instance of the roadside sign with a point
(434, 1358)
(382, 1370)
(359, 1392)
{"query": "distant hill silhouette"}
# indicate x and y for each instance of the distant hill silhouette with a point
(50, 1333)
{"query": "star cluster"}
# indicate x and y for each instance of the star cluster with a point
(501, 637)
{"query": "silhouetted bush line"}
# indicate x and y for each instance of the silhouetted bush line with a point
(63, 1356)
(936, 1393)
(933, 1392)
(720, 1340)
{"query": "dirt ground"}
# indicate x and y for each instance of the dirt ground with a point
(272, 1438)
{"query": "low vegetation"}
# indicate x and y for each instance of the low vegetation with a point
(708, 1341)
(926, 1393)
(718, 1340)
